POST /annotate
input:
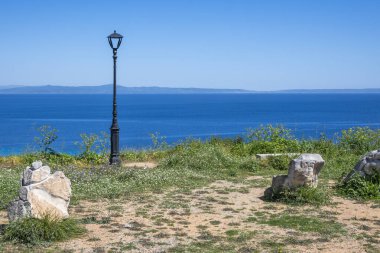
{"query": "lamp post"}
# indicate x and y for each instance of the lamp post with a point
(114, 40)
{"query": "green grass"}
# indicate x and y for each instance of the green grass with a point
(9, 185)
(361, 188)
(37, 231)
(204, 247)
(194, 163)
(304, 223)
(304, 195)
(188, 166)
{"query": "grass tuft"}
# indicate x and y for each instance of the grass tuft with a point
(37, 231)
(304, 195)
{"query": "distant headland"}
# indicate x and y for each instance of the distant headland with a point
(107, 89)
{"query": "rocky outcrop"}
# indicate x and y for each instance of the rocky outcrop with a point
(41, 193)
(367, 166)
(303, 171)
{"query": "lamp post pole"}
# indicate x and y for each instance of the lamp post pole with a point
(114, 158)
(115, 154)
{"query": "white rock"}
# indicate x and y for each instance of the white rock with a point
(303, 171)
(57, 185)
(367, 166)
(36, 165)
(34, 176)
(42, 194)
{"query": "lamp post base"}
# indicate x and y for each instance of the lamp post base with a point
(115, 155)
(115, 160)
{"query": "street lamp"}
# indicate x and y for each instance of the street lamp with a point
(114, 40)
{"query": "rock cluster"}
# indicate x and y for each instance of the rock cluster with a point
(303, 171)
(367, 166)
(41, 193)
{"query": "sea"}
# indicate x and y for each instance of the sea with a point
(177, 117)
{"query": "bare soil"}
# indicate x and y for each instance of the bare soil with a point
(157, 222)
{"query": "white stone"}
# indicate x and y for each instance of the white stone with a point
(303, 171)
(36, 165)
(35, 176)
(367, 166)
(42, 194)
(267, 156)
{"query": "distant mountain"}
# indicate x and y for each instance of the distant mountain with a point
(370, 90)
(9, 87)
(108, 89)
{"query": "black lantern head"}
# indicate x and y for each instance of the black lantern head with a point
(115, 40)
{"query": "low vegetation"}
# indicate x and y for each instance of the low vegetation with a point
(48, 229)
(304, 195)
(193, 164)
(304, 223)
(361, 188)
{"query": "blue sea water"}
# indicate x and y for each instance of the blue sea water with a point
(178, 116)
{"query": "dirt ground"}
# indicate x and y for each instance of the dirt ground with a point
(221, 212)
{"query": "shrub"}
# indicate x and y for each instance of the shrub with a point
(323, 145)
(271, 139)
(361, 188)
(158, 141)
(359, 140)
(93, 147)
(47, 229)
(304, 195)
(280, 162)
(249, 164)
(48, 135)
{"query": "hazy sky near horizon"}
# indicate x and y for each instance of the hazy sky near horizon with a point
(249, 44)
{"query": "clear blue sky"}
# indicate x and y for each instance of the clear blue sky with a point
(258, 45)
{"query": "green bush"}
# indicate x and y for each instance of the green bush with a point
(304, 195)
(196, 155)
(47, 229)
(324, 146)
(359, 140)
(249, 164)
(361, 188)
(280, 162)
(94, 148)
(272, 139)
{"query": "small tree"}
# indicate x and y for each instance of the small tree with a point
(93, 147)
(48, 135)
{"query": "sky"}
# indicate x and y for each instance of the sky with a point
(247, 44)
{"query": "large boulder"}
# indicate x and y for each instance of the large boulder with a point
(303, 171)
(369, 165)
(41, 193)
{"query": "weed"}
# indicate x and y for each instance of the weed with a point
(48, 135)
(215, 222)
(305, 224)
(359, 140)
(93, 220)
(47, 229)
(279, 162)
(317, 196)
(94, 147)
(361, 188)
